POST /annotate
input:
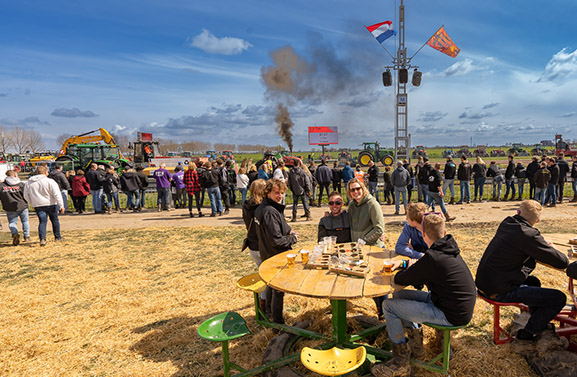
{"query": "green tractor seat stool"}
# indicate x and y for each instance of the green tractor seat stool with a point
(255, 284)
(444, 356)
(333, 362)
(222, 328)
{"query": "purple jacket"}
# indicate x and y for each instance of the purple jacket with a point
(162, 177)
(177, 178)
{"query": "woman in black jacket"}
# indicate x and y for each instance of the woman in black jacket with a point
(479, 177)
(111, 184)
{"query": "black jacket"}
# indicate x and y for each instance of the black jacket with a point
(574, 170)
(373, 173)
(12, 195)
(111, 183)
(339, 226)
(493, 171)
(130, 181)
(435, 180)
(520, 171)
(337, 175)
(212, 178)
(298, 182)
(60, 178)
(94, 178)
(142, 180)
(554, 169)
(563, 170)
(510, 170)
(423, 176)
(448, 278)
(532, 168)
(450, 170)
(464, 172)
(248, 209)
(272, 229)
(479, 170)
(511, 256)
(542, 178)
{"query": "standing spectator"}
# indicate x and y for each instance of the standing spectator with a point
(337, 177)
(521, 174)
(69, 175)
(94, 177)
(12, 197)
(193, 189)
(163, 179)
(373, 180)
(359, 174)
(110, 186)
(436, 190)
(300, 185)
(281, 173)
(551, 199)
(324, 177)
(263, 172)
(532, 168)
(509, 173)
(142, 186)
(464, 175)
(130, 185)
(449, 174)
(57, 175)
(399, 179)
(348, 174)
(231, 175)
(495, 173)
(388, 186)
(574, 178)
(423, 179)
(179, 197)
(312, 168)
(479, 177)
(563, 170)
(252, 174)
(409, 168)
(224, 185)
(80, 190)
(211, 178)
(274, 236)
(541, 178)
(200, 169)
(242, 181)
(418, 167)
(44, 195)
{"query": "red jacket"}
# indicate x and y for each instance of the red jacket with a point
(79, 186)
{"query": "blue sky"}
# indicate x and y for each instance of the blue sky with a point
(192, 69)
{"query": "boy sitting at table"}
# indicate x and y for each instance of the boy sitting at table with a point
(449, 302)
(504, 272)
(410, 242)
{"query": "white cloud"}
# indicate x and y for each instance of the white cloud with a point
(208, 42)
(73, 113)
(461, 68)
(562, 65)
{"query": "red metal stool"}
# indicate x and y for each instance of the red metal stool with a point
(498, 331)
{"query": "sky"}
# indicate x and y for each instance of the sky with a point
(193, 70)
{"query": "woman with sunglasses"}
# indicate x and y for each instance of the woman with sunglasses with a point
(337, 222)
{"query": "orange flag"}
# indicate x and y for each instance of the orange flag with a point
(442, 42)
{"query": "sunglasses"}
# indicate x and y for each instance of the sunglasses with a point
(427, 214)
(353, 189)
(338, 202)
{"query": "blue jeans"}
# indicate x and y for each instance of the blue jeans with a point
(112, 196)
(96, 200)
(437, 199)
(510, 185)
(574, 185)
(540, 195)
(132, 200)
(44, 213)
(215, 199)
(305, 201)
(450, 183)
(13, 221)
(551, 194)
(163, 197)
(521, 186)
(496, 188)
(232, 195)
(479, 183)
(544, 304)
(374, 189)
(410, 308)
(465, 191)
(402, 191)
(142, 198)
(425, 191)
(243, 192)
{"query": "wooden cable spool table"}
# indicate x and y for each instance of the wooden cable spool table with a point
(338, 288)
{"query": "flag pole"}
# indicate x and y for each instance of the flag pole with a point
(426, 42)
(392, 57)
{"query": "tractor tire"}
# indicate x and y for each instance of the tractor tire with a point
(388, 160)
(364, 158)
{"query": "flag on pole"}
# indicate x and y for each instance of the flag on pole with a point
(441, 41)
(382, 31)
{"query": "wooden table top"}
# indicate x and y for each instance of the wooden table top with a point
(560, 240)
(325, 284)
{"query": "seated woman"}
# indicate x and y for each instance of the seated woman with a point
(337, 223)
(410, 242)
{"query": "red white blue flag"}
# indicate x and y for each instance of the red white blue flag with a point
(382, 31)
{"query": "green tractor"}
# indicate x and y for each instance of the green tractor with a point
(80, 156)
(517, 150)
(372, 152)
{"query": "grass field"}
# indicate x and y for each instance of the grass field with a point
(128, 302)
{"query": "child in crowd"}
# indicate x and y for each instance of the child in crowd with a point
(410, 242)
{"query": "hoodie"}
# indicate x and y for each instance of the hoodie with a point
(348, 174)
(12, 196)
(448, 278)
(41, 191)
(367, 221)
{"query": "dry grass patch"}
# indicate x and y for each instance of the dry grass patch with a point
(128, 302)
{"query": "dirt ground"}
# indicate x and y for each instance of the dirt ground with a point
(465, 213)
